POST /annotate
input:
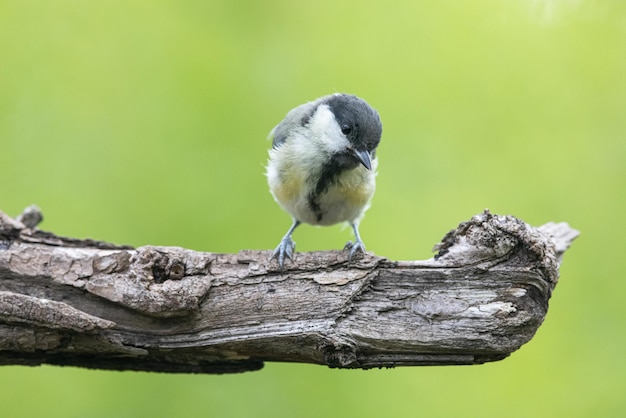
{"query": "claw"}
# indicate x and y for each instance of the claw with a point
(357, 246)
(354, 247)
(286, 248)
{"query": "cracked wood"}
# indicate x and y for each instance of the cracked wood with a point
(93, 304)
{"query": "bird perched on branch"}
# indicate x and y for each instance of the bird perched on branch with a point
(322, 165)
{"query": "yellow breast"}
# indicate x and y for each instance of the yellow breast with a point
(288, 190)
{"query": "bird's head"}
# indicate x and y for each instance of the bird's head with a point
(351, 129)
(341, 126)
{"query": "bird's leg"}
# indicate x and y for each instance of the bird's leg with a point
(286, 247)
(357, 245)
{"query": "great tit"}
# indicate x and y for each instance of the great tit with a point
(322, 165)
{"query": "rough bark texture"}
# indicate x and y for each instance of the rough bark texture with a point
(92, 304)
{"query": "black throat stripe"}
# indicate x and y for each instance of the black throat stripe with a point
(328, 176)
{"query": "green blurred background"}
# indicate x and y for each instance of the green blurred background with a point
(144, 122)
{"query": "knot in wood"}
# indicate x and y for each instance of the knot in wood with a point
(158, 265)
(340, 355)
(176, 269)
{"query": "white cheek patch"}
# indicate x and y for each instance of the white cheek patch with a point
(325, 130)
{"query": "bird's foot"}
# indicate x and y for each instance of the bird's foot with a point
(286, 249)
(354, 247)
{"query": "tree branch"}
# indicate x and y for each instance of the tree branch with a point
(92, 304)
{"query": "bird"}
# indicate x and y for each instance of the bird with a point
(322, 166)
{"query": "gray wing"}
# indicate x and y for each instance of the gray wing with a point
(297, 117)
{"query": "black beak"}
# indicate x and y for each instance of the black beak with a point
(364, 158)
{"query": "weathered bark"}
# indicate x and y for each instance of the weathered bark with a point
(92, 304)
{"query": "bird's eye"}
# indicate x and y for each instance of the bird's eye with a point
(346, 129)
